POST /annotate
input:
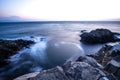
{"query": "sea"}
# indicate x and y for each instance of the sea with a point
(55, 43)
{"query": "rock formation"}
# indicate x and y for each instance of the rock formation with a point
(99, 36)
(11, 47)
(103, 65)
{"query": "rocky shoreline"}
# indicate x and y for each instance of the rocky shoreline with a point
(11, 47)
(103, 65)
(90, 67)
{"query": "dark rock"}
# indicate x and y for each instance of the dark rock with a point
(11, 47)
(83, 31)
(82, 71)
(74, 71)
(51, 74)
(109, 57)
(114, 66)
(91, 61)
(86, 67)
(98, 36)
(107, 52)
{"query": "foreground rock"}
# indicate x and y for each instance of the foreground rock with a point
(113, 67)
(104, 65)
(99, 36)
(83, 68)
(109, 57)
(70, 71)
(11, 47)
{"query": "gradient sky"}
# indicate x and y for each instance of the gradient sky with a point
(61, 9)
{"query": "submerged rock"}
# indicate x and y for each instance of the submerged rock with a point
(11, 47)
(99, 36)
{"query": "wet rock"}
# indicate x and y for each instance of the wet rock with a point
(99, 36)
(109, 57)
(114, 66)
(91, 61)
(83, 31)
(70, 71)
(26, 76)
(87, 67)
(11, 47)
(82, 71)
(51, 74)
(107, 53)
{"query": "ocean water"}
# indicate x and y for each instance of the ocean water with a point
(55, 43)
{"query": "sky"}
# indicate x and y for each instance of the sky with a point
(61, 9)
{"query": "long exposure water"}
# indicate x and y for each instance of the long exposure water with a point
(55, 43)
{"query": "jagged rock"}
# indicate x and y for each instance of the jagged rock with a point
(87, 68)
(82, 71)
(99, 36)
(91, 61)
(26, 76)
(70, 71)
(107, 52)
(109, 57)
(11, 47)
(56, 73)
(114, 66)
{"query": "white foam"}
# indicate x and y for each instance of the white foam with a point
(38, 51)
(31, 38)
(35, 54)
(105, 78)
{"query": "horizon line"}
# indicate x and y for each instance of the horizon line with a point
(60, 21)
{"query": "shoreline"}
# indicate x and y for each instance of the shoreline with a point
(27, 43)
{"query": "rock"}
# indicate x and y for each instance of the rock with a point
(86, 67)
(51, 74)
(70, 71)
(26, 76)
(107, 52)
(11, 47)
(109, 57)
(91, 61)
(83, 31)
(114, 66)
(82, 71)
(99, 36)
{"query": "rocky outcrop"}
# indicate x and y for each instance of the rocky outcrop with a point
(113, 67)
(11, 47)
(103, 65)
(99, 36)
(109, 57)
(70, 71)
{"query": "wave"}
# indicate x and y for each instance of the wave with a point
(35, 58)
(28, 59)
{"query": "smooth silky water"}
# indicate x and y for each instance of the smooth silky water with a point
(55, 43)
